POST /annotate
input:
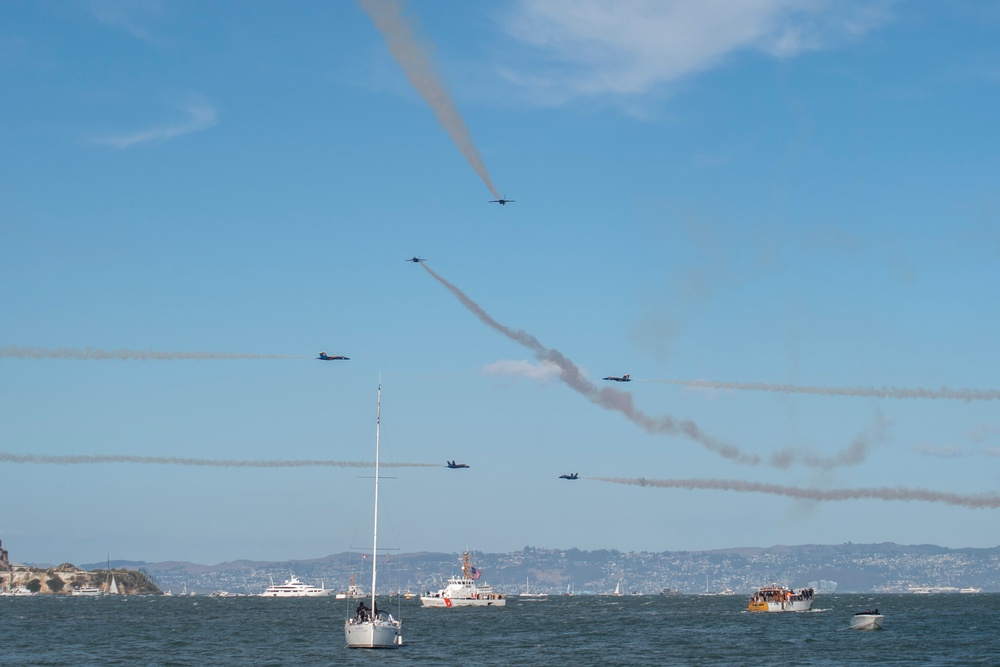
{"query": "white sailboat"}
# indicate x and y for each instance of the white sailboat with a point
(528, 595)
(112, 584)
(371, 628)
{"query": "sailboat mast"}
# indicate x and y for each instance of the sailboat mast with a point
(378, 421)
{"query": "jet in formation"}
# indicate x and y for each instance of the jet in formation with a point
(456, 466)
(415, 260)
(502, 201)
(574, 475)
(323, 356)
(624, 378)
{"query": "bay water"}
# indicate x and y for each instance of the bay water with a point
(579, 631)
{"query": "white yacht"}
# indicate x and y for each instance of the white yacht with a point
(293, 588)
(464, 591)
(87, 591)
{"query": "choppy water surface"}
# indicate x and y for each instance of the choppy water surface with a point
(579, 631)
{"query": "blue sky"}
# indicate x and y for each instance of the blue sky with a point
(768, 192)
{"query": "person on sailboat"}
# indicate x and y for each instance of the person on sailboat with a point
(362, 613)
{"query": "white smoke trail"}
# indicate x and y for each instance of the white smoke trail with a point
(92, 354)
(606, 397)
(869, 392)
(95, 459)
(612, 399)
(974, 501)
(854, 454)
(414, 57)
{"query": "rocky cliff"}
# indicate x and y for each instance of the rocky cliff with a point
(63, 579)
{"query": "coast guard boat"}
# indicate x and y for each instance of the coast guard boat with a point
(779, 598)
(353, 591)
(464, 591)
(293, 588)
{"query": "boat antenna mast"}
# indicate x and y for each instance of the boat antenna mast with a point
(378, 420)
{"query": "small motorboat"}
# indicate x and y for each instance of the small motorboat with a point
(867, 620)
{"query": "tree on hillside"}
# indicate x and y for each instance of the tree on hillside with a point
(55, 584)
(34, 585)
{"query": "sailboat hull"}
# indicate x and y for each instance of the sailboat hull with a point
(372, 634)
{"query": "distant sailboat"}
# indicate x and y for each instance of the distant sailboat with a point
(528, 595)
(618, 588)
(112, 584)
(371, 628)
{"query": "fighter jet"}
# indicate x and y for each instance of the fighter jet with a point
(502, 201)
(575, 475)
(456, 466)
(323, 356)
(415, 260)
(624, 378)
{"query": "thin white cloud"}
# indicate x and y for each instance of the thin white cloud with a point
(200, 116)
(628, 47)
(132, 16)
(543, 371)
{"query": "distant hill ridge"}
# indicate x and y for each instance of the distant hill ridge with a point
(844, 568)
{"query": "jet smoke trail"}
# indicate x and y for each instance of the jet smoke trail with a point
(975, 501)
(870, 392)
(854, 454)
(90, 354)
(607, 398)
(7, 457)
(401, 37)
